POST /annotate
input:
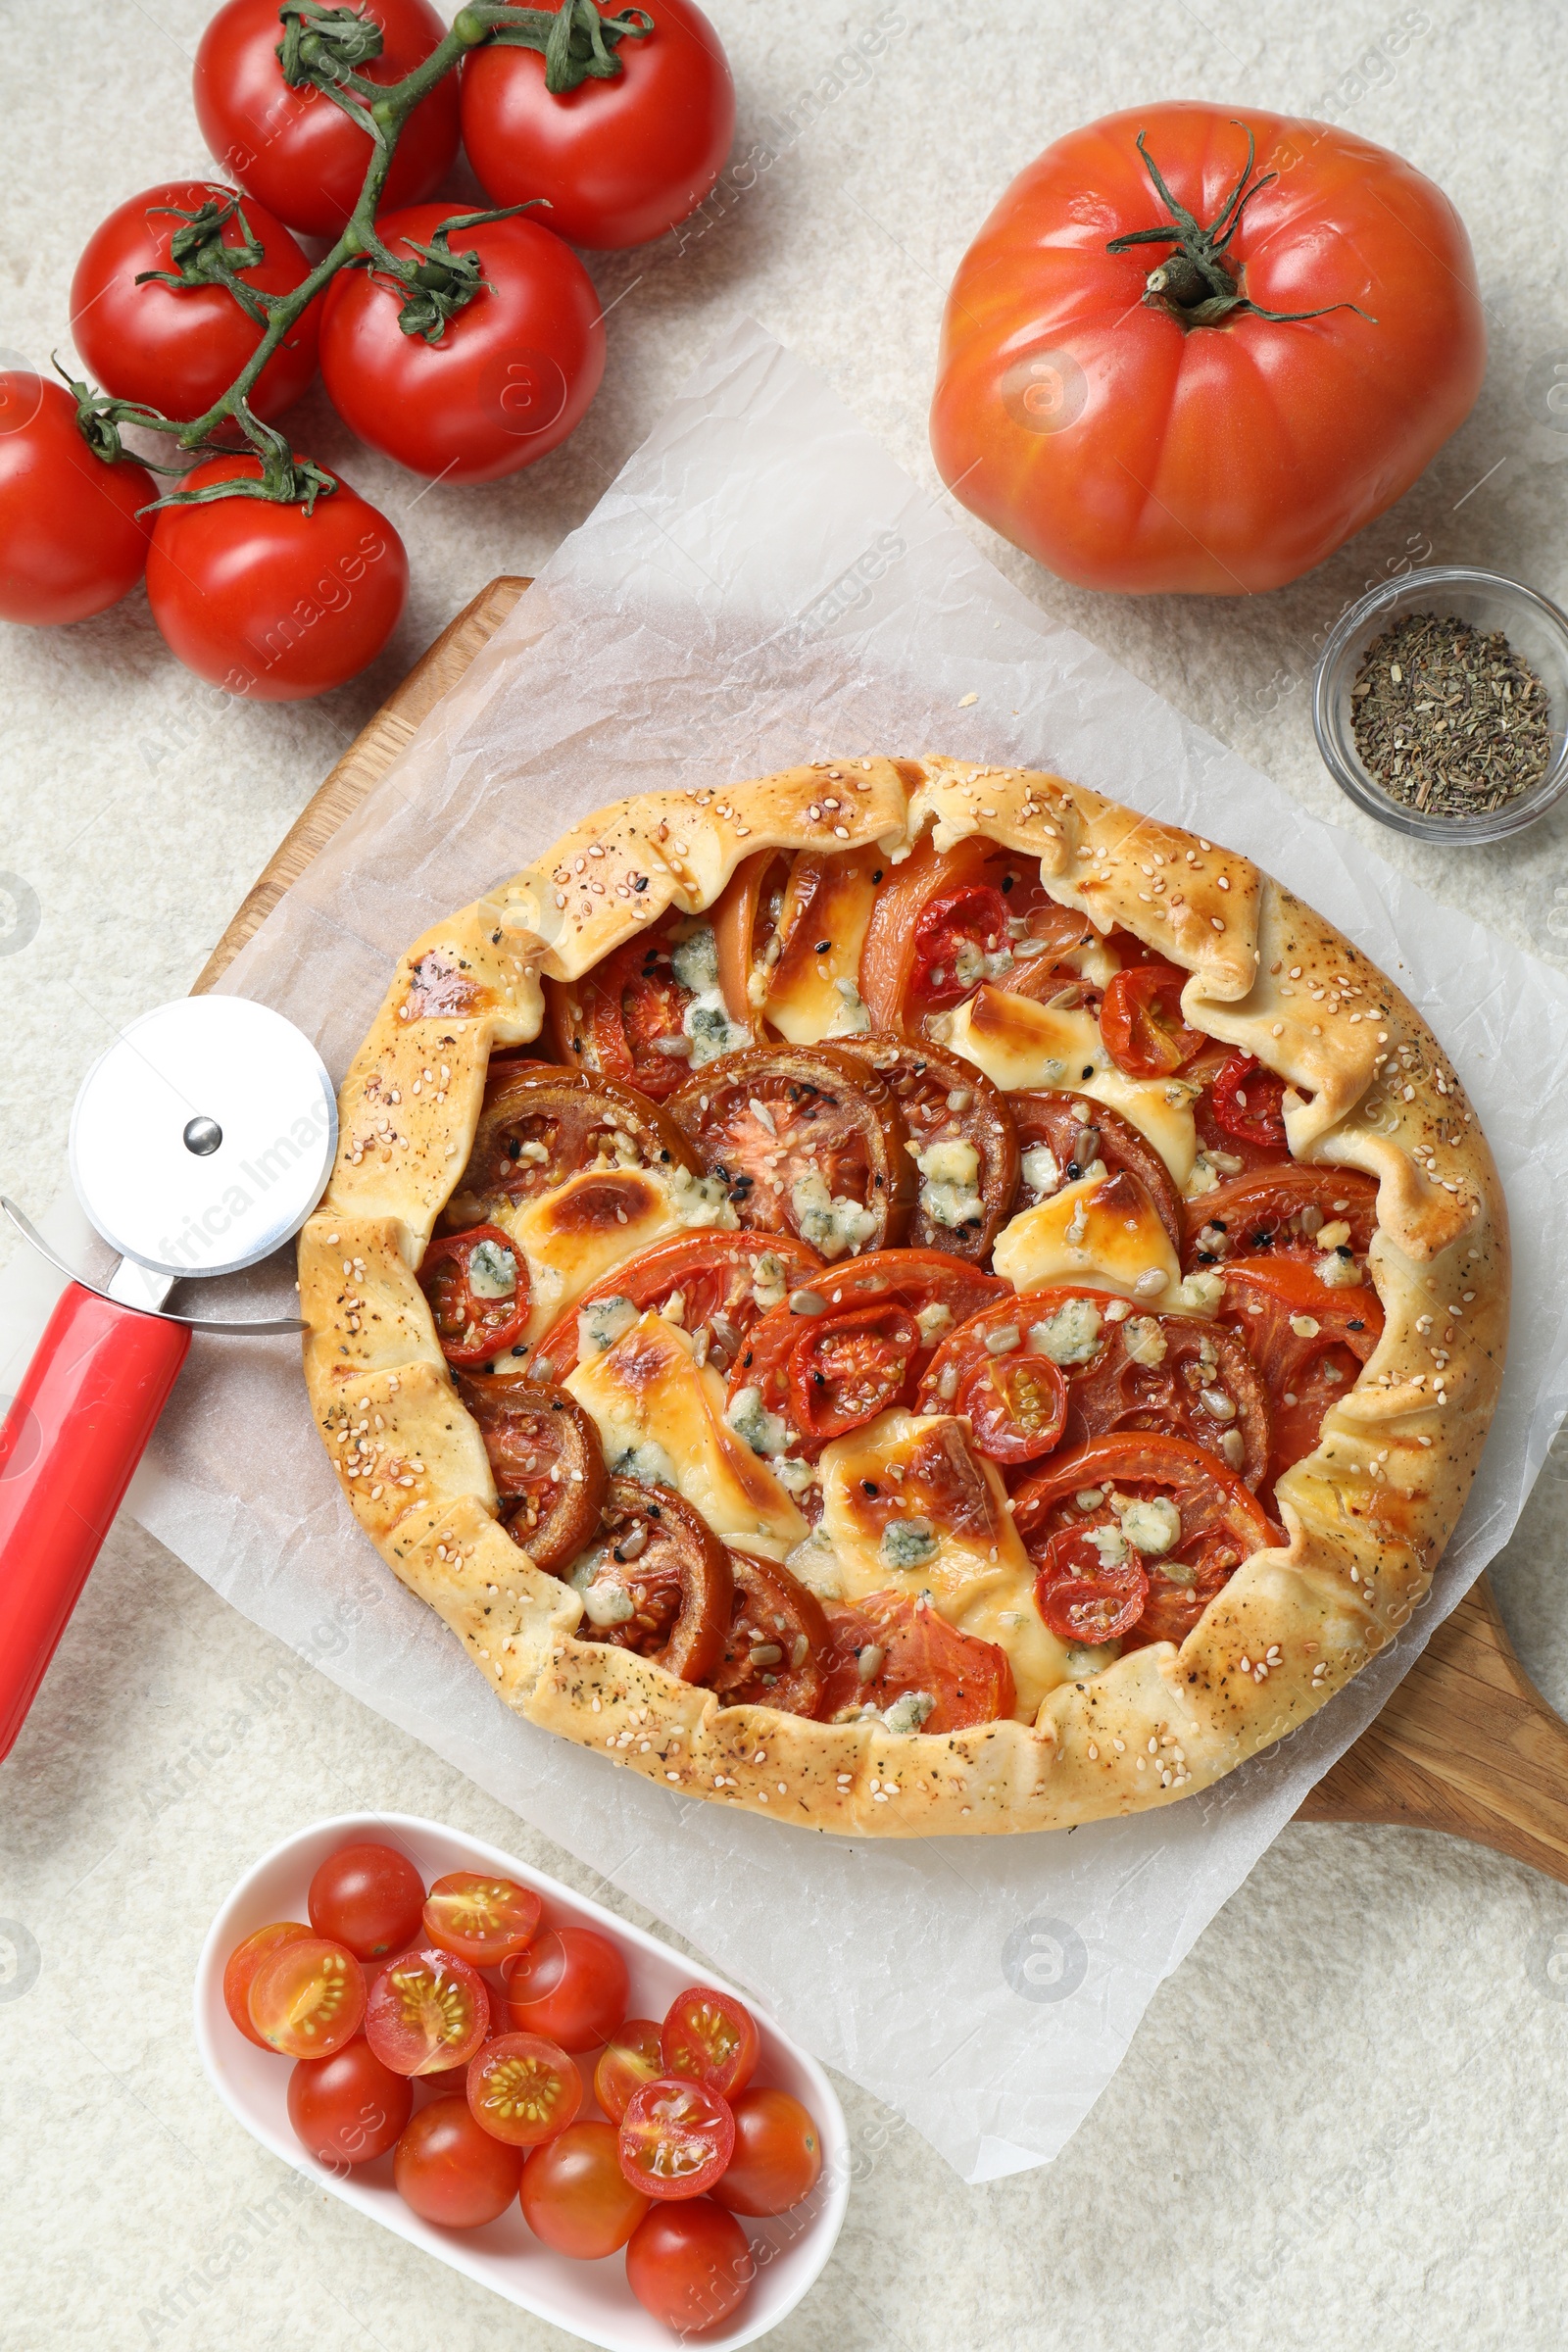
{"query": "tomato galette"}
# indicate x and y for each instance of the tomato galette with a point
(906, 1296)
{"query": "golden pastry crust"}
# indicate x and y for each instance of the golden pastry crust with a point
(1367, 1514)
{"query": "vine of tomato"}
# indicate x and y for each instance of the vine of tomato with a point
(511, 374)
(270, 601)
(177, 349)
(295, 150)
(71, 544)
(1092, 416)
(620, 161)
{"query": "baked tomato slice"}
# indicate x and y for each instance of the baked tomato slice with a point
(1141, 1021)
(541, 1124)
(746, 918)
(960, 1136)
(1240, 1108)
(723, 1283)
(545, 1458)
(939, 1291)
(659, 1582)
(1309, 1339)
(652, 1011)
(804, 1144)
(776, 1641)
(889, 1648)
(1060, 1137)
(477, 1285)
(1148, 1505)
(1286, 1211)
(942, 924)
(823, 1370)
(1013, 1397)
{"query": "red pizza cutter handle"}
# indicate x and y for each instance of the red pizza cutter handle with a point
(78, 1428)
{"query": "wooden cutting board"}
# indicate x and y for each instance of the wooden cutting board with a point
(1467, 1744)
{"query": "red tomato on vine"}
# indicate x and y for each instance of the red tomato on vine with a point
(296, 150)
(510, 375)
(71, 544)
(179, 349)
(266, 601)
(1170, 361)
(620, 160)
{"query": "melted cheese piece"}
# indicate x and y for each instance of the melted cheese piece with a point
(814, 995)
(1020, 1044)
(661, 1415)
(584, 1228)
(1101, 1230)
(971, 1560)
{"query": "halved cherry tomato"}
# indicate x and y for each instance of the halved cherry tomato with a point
(1246, 1102)
(1281, 1209)
(632, 1017)
(523, 2088)
(939, 927)
(569, 1984)
(674, 1572)
(1307, 1368)
(546, 1459)
(368, 1897)
(676, 2136)
(481, 1920)
(718, 1276)
(847, 1367)
(479, 1289)
(690, 2265)
(945, 1101)
(1076, 1132)
(243, 1962)
(1082, 1598)
(1141, 1021)
(1057, 950)
(776, 1641)
(349, 2108)
(889, 1647)
(1013, 1397)
(428, 2012)
(795, 1133)
(451, 2171)
(575, 2197)
(307, 1997)
(541, 1124)
(633, 2055)
(710, 2037)
(778, 2154)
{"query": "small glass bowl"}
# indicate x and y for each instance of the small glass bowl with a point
(1533, 627)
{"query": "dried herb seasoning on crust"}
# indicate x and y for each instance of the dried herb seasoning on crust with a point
(783, 1373)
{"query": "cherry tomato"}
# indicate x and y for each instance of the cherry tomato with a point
(627, 1019)
(427, 2011)
(453, 2172)
(1072, 381)
(620, 160)
(1282, 1209)
(481, 1920)
(1141, 1021)
(295, 149)
(1310, 1339)
(945, 1101)
(1084, 1601)
(778, 2154)
(543, 1124)
(1015, 1399)
(575, 2197)
(179, 349)
(846, 1368)
(266, 601)
(479, 1293)
(348, 2108)
(243, 1962)
(632, 2056)
(1245, 1100)
(546, 1459)
(523, 2088)
(307, 1997)
(887, 1645)
(690, 2265)
(569, 1984)
(1074, 1132)
(677, 2137)
(69, 541)
(718, 1276)
(511, 375)
(712, 2038)
(368, 1897)
(777, 1640)
(942, 925)
(674, 1572)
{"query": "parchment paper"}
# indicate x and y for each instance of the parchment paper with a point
(763, 585)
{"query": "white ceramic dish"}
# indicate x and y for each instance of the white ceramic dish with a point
(589, 2299)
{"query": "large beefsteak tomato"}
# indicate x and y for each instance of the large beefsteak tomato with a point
(1192, 350)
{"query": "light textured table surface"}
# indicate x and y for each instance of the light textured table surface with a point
(1343, 2118)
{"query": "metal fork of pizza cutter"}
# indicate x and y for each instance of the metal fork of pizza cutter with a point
(199, 1144)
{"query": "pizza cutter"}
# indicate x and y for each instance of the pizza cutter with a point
(200, 1143)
